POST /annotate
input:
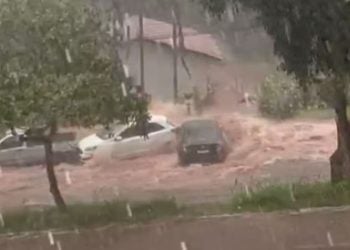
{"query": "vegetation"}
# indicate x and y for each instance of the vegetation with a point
(279, 96)
(267, 199)
(312, 39)
(59, 67)
(293, 197)
(88, 215)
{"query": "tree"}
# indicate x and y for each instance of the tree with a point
(58, 68)
(312, 37)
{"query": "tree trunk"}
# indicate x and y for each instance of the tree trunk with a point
(52, 176)
(175, 59)
(340, 160)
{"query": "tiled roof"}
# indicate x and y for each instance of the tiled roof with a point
(161, 32)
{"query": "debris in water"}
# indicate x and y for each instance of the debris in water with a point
(68, 179)
(197, 165)
(128, 210)
(51, 239)
(330, 239)
(183, 246)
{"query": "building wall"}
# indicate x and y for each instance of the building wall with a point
(159, 69)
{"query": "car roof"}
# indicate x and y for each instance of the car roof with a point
(199, 122)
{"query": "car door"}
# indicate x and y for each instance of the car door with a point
(129, 143)
(159, 135)
(33, 153)
(11, 148)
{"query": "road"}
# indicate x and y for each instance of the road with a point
(264, 152)
(319, 230)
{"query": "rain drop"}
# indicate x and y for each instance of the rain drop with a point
(68, 178)
(128, 210)
(51, 239)
(125, 94)
(328, 46)
(183, 246)
(2, 221)
(59, 246)
(287, 30)
(291, 191)
(68, 55)
(247, 191)
(230, 15)
(330, 239)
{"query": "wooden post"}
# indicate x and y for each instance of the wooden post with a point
(142, 55)
(175, 59)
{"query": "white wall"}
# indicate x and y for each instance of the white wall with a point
(159, 69)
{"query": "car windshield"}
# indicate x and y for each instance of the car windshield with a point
(201, 132)
(108, 133)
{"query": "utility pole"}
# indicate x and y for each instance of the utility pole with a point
(175, 58)
(142, 53)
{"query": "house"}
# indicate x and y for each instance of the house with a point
(202, 56)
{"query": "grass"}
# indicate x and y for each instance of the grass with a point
(319, 114)
(267, 199)
(88, 215)
(293, 197)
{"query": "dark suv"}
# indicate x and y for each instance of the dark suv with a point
(201, 141)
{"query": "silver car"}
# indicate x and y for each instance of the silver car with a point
(15, 151)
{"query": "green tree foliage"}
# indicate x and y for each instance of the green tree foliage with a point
(58, 68)
(279, 96)
(312, 37)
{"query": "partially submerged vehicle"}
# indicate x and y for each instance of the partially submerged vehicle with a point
(17, 151)
(126, 140)
(201, 141)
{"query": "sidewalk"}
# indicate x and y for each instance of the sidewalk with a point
(329, 229)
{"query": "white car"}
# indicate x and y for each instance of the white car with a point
(125, 140)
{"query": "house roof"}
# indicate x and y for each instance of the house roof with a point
(162, 32)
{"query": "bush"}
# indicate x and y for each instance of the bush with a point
(280, 96)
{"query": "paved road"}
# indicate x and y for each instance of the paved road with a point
(317, 230)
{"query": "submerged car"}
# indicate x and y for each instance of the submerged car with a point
(16, 151)
(125, 140)
(201, 141)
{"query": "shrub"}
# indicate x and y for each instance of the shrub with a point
(279, 96)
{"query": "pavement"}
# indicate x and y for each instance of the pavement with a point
(321, 229)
